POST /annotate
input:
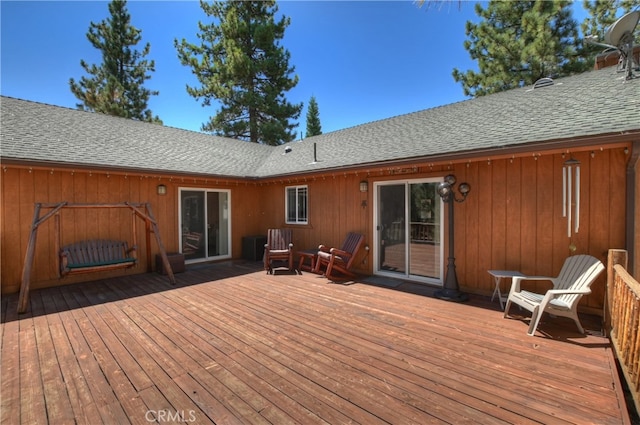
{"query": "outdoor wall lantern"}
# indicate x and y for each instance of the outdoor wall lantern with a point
(162, 189)
(450, 291)
(364, 186)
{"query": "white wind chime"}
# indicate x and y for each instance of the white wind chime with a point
(571, 193)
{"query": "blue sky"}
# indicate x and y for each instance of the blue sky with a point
(362, 60)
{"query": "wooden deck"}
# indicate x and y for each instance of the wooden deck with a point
(230, 344)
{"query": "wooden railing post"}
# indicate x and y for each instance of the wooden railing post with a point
(616, 256)
(623, 319)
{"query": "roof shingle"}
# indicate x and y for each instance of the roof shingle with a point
(588, 104)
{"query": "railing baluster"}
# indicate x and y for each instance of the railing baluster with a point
(624, 320)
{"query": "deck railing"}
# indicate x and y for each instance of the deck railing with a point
(623, 319)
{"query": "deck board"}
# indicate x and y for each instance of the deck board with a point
(230, 344)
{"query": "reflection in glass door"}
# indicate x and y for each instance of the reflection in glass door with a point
(204, 224)
(391, 228)
(408, 230)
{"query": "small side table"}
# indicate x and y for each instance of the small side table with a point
(310, 255)
(498, 275)
(176, 261)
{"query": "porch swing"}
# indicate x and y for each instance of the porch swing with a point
(94, 255)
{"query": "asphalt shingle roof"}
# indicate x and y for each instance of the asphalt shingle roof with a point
(588, 104)
(38, 132)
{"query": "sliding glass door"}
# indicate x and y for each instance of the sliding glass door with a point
(204, 224)
(408, 230)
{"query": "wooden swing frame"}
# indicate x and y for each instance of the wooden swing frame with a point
(140, 210)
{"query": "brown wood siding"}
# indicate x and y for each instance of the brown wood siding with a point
(23, 187)
(512, 218)
(335, 208)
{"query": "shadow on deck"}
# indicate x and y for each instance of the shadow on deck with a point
(231, 344)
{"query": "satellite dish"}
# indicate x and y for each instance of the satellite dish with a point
(619, 36)
(621, 31)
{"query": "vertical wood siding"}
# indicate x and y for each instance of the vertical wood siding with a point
(512, 219)
(23, 187)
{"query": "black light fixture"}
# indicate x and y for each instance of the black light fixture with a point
(450, 290)
(162, 189)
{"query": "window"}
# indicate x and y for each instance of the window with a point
(296, 204)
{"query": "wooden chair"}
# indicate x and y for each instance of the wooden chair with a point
(279, 247)
(339, 259)
(574, 280)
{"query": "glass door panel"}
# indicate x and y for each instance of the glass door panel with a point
(408, 230)
(424, 244)
(204, 224)
(391, 228)
(193, 224)
(217, 223)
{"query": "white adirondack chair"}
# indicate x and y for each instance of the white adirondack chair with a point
(574, 280)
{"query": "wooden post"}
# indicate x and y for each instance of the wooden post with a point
(147, 240)
(616, 256)
(58, 244)
(31, 247)
(151, 222)
(163, 252)
(28, 262)
(135, 236)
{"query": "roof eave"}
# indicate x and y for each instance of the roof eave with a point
(547, 146)
(532, 148)
(39, 164)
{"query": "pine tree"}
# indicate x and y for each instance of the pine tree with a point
(313, 118)
(603, 13)
(115, 87)
(520, 42)
(241, 64)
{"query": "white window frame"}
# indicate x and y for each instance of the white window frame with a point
(298, 219)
